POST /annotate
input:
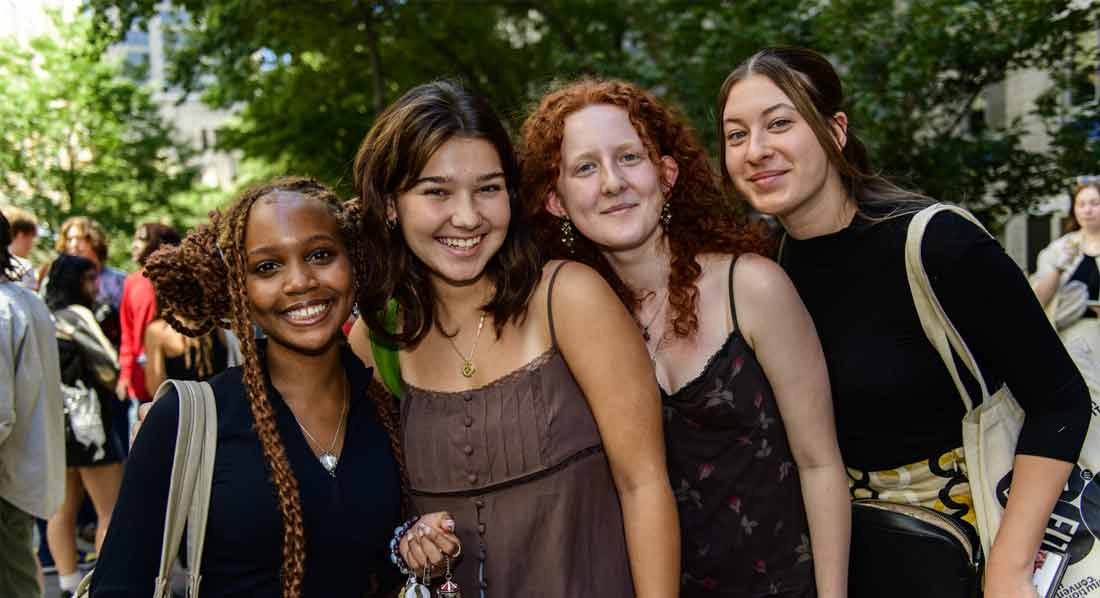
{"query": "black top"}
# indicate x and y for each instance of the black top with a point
(895, 402)
(176, 368)
(348, 519)
(742, 519)
(1088, 273)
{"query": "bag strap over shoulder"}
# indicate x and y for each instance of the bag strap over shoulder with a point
(937, 326)
(385, 355)
(189, 489)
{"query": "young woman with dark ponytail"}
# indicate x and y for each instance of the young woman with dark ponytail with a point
(307, 483)
(789, 149)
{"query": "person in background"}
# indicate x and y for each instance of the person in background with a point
(788, 148)
(32, 434)
(83, 236)
(89, 372)
(24, 230)
(138, 309)
(1067, 279)
(170, 355)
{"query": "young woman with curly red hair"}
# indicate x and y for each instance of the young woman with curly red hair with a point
(617, 180)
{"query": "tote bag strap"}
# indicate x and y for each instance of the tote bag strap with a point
(200, 502)
(937, 326)
(192, 471)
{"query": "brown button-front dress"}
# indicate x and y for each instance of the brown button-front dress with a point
(520, 465)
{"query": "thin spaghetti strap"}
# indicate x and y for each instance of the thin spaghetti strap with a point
(733, 308)
(549, 305)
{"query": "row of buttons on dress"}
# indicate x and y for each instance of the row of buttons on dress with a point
(479, 504)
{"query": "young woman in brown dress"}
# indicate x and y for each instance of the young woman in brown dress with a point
(529, 409)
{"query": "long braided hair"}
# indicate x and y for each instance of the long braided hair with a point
(201, 280)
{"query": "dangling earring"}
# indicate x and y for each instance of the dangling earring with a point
(666, 213)
(391, 224)
(567, 233)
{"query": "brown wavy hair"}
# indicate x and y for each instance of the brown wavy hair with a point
(200, 281)
(702, 220)
(393, 153)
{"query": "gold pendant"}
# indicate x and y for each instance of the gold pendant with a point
(468, 368)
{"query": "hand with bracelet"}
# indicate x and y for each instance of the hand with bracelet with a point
(428, 541)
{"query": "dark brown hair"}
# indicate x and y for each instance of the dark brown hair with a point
(202, 280)
(1071, 224)
(9, 270)
(702, 220)
(398, 146)
(156, 234)
(812, 84)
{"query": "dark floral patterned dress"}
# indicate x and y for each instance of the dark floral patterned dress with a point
(742, 518)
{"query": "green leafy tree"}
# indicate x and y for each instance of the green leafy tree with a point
(312, 75)
(79, 138)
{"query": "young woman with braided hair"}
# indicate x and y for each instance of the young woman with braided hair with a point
(307, 486)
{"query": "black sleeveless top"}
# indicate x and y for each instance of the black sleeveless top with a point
(742, 520)
(177, 368)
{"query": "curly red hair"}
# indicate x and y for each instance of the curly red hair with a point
(703, 220)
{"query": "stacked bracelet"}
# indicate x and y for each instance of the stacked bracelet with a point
(395, 543)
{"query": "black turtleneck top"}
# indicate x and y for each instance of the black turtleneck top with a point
(895, 402)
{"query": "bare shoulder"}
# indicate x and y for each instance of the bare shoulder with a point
(762, 293)
(575, 285)
(757, 278)
(155, 331)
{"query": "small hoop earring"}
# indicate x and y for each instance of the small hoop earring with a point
(567, 237)
(666, 214)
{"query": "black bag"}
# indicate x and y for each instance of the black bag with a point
(905, 551)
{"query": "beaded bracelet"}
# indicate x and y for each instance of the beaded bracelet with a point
(395, 543)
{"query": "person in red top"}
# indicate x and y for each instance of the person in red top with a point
(138, 308)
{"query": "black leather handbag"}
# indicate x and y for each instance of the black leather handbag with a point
(907, 551)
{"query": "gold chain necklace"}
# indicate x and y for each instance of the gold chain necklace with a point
(468, 368)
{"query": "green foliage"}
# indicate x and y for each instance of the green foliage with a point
(78, 138)
(310, 76)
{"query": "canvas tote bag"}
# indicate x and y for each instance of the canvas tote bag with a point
(189, 489)
(990, 432)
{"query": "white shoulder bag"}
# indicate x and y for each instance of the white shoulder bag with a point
(990, 432)
(189, 491)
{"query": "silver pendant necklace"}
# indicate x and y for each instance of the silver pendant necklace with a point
(328, 458)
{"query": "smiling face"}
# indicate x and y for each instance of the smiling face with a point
(607, 183)
(771, 153)
(455, 215)
(299, 278)
(1086, 208)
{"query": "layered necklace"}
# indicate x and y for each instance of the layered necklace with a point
(653, 318)
(468, 367)
(328, 458)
